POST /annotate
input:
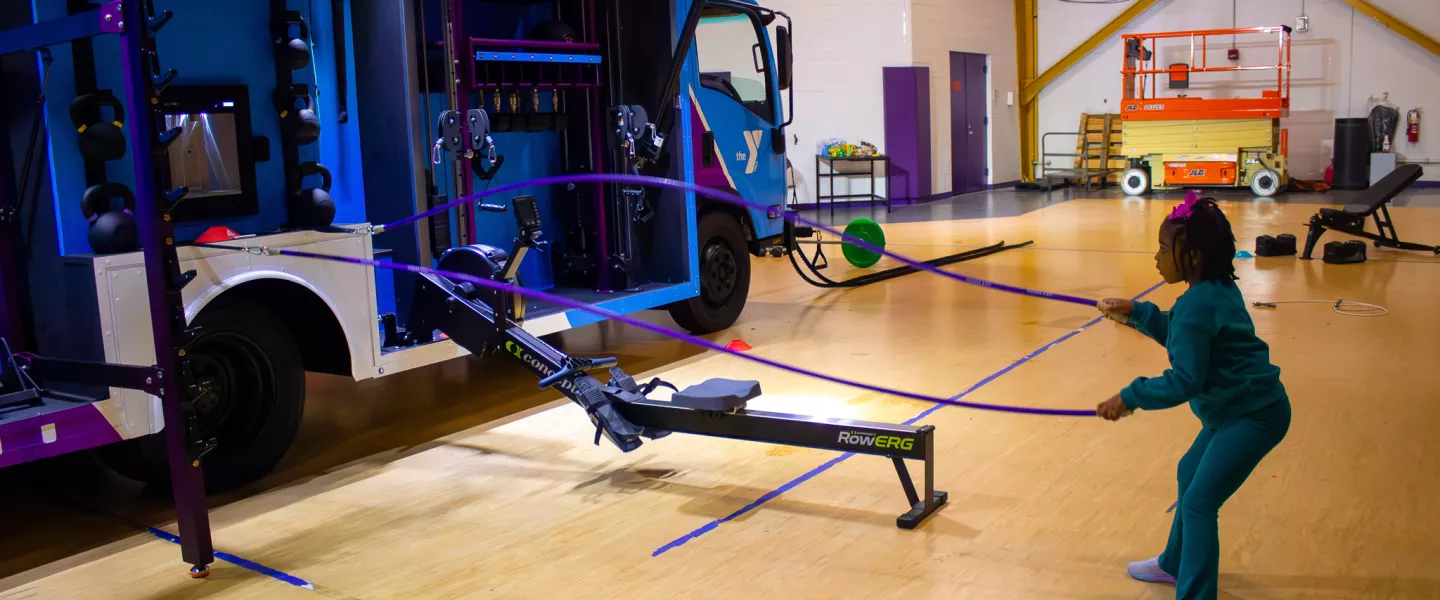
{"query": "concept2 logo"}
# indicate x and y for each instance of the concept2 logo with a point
(752, 139)
(535, 365)
(866, 438)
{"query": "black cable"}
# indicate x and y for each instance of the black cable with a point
(30, 147)
(425, 85)
(888, 274)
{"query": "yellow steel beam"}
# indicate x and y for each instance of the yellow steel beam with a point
(1395, 24)
(1025, 68)
(1032, 88)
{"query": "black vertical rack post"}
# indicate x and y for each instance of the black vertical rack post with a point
(82, 52)
(286, 92)
(342, 83)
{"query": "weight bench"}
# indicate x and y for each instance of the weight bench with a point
(1372, 203)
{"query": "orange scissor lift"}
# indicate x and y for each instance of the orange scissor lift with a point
(1190, 141)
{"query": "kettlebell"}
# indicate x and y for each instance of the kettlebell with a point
(307, 129)
(111, 231)
(313, 208)
(99, 140)
(306, 126)
(293, 52)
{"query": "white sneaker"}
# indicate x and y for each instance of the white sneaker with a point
(1149, 571)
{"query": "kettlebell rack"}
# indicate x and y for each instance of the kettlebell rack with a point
(100, 141)
(299, 123)
(137, 23)
(82, 53)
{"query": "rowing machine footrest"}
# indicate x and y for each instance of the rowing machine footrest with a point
(608, 422)
(720, 395)
(621, 379)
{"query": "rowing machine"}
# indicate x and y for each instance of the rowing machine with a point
(483, 320)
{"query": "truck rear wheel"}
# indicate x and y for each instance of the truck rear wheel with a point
(724, 276)
(249, 396)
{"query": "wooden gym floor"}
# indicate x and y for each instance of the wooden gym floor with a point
(416, 487)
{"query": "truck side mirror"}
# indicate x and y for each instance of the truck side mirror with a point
(784, 58)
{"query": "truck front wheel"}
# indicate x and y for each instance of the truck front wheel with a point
(724, 276)
(247, 390)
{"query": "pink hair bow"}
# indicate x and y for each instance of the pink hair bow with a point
(1183, 211)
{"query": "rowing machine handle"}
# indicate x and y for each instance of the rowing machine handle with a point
(500, 208)
(578, 365)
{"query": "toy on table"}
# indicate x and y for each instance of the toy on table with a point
(838, 148)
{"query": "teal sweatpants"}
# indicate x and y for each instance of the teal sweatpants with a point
(1210, 472)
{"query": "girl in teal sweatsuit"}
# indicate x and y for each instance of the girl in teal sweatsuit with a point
(1222, 369)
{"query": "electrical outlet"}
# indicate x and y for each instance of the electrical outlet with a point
(1302, 23)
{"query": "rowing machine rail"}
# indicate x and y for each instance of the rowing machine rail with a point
(621, 410)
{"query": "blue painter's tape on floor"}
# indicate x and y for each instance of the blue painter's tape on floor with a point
(240, 562)
(793, 483)
(753, 505)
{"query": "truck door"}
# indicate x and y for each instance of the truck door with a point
(736, 111)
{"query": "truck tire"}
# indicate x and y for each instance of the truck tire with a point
(1135, 181)
(1265, 183)
(253, 408)
(724, 276)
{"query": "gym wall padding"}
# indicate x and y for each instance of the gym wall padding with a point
(211, 42)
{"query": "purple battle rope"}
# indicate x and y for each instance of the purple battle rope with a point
(729, 198)
(671, 333)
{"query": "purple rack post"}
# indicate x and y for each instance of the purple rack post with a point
(597, 150)
(163, 282)
(462, 53)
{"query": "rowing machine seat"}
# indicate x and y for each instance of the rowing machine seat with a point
(720, 395)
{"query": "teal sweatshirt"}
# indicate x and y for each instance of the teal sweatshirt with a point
(1217, 363)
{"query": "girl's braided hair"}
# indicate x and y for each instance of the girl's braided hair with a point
(1200, 226)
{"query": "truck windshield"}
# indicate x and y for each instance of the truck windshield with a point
(733, 61)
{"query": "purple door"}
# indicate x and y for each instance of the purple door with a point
(968, 121)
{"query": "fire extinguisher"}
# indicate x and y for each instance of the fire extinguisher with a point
(1413, 128)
